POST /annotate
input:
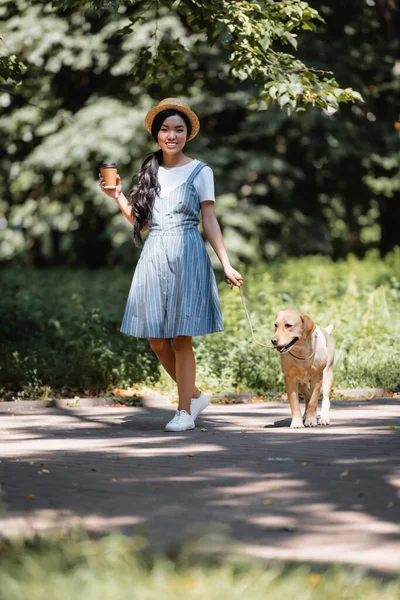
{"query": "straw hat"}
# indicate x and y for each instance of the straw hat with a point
(175, 104)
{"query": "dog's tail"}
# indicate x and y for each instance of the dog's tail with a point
(329, 329)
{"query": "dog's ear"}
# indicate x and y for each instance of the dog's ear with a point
(308, 325)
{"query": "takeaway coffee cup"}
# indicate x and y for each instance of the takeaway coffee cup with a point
(109, 174)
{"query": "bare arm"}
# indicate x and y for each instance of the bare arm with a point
(213, 233)
(117, 195)
(125, 207)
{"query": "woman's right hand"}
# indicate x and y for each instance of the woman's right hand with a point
(113, 193)
(232, 276)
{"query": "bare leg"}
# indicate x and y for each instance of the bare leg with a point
(162, 348)
(293, 394)
(185, 368)
(327, 378)
(311, 413)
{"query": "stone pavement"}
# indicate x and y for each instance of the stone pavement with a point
(322, 495)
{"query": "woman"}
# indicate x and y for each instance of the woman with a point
(174, 295)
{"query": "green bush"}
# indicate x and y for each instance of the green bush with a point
(60, 327)
(361, 298)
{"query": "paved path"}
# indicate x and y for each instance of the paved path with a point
(323, 495)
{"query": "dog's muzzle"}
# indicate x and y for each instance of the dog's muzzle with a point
(286, 348)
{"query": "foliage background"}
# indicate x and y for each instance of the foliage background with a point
(321, 182)
(287, 184)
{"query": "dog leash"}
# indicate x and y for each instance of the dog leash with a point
(252, 332)
(249, 321)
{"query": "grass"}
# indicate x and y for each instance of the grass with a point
(61, 328)
(113, 567)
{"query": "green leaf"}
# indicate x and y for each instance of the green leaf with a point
(282, 100)
(291, 38)
(273, 90)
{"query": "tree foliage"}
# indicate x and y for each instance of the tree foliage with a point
(318, 181)
(253, 33)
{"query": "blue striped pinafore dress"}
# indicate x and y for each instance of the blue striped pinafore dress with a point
(173, 291)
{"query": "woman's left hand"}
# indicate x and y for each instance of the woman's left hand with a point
(233, 277)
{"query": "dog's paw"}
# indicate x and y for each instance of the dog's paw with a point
(297, 423)
(324, 419)
(310, 421)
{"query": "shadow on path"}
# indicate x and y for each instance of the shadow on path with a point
(323, 494)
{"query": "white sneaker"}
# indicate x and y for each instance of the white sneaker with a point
(197, 405)
(182, 421)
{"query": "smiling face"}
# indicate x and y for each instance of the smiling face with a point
(172, 135)
(290, 327)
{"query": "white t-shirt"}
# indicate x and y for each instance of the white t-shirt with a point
(170, 178)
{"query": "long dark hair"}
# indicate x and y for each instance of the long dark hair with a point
(143, 194)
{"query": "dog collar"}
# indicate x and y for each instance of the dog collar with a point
(313, 352)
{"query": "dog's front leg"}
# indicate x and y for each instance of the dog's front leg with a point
(292, 389)
(310, 419)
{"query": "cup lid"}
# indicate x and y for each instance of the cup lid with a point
(108, 165)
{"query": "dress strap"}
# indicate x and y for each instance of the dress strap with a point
(195, 172)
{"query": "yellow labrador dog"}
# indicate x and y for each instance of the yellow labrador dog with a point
(307, 354)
